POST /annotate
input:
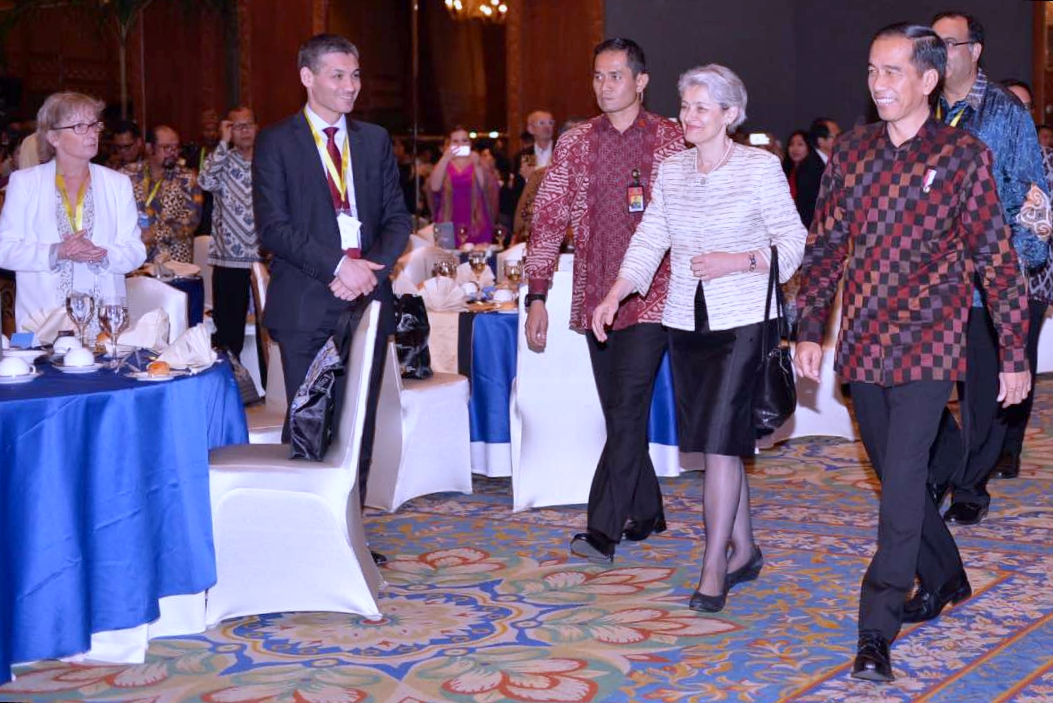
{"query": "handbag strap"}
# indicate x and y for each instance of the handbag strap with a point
(773, 286)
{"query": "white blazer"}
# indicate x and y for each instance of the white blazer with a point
(28, 228)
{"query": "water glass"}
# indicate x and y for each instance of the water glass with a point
(514, 272)
(477, 259)
(113, 317)
(80, 307)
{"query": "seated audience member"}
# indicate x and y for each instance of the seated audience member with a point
(126, 146)
(68, 225)
(167, 196)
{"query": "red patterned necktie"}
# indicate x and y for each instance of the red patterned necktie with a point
(341, 203)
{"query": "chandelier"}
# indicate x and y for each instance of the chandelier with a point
(486, 10)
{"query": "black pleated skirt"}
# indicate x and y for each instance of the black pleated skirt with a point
(714, 374)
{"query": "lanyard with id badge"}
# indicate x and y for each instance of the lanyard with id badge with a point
(634, 193)
(346, 218)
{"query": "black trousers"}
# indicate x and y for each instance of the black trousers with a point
(898, 425)
(298, 351)
(1016, 417)
(963, 458)
(624, 485)
(230, 306)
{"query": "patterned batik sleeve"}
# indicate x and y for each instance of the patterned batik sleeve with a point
(1022, 172)
(985, 231)
(824, 256)
(551, 218)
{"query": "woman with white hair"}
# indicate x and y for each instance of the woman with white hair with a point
(717, 208)
(68, 225)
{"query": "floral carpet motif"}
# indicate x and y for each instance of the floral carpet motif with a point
(483, 606)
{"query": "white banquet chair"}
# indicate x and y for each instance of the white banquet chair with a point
(421, 444)
(512, 253)
(289, 534)
(201, 245)
(146, 294)
(557, 423)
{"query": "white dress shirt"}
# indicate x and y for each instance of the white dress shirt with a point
(543, 157)
(341, 136)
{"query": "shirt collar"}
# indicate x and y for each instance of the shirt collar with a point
(974, 97)
(639, 123)
(320, 124)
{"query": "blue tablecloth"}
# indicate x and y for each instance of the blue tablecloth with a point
(195, 293)
(493, 367)
(104, 502)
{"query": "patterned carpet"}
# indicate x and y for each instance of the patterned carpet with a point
(484, 606)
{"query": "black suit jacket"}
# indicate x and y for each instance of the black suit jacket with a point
(809, 176)
(297, 224)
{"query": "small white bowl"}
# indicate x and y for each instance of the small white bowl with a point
(11, 366)
(78, 357)
(64, 344)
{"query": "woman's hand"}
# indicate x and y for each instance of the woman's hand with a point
(717, 264)
(603, 317)
(78, 248)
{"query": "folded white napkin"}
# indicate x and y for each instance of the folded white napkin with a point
(404, 285)
(47, 324)
(465, 274)
(443, 294)
(193, 350)
(150, 331)
(426, 233)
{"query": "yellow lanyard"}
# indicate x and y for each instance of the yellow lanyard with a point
(954, 120)
(153, 193)
(75, 216)
(201, 161)
(338, 176)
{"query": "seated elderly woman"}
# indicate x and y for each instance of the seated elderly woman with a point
(68, 225)
(464, 190)
(717, 208)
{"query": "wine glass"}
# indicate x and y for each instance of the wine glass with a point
(514, 272)
(500, 236)
(477, 262)
(443, 267)
(80, 307)
(113, 316)
(462, 235)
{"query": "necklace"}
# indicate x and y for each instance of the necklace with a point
(700, 178)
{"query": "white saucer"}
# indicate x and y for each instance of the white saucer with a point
(145, 376)
(90, 368)
(15, 380)
(30, 355)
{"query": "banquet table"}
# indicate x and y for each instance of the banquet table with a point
(483, 347)
(104, 502)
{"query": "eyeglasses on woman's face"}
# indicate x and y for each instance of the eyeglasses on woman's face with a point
(82, 127)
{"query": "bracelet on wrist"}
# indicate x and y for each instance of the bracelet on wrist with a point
(532, 297)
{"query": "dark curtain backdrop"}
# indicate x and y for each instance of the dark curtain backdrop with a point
(799, 58)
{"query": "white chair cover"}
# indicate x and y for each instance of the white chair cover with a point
(201, 245)
(557, 423)
(422, 438)
(513, 253)
(289, 534)
(266, 420)
(145, 294)
(416, 265)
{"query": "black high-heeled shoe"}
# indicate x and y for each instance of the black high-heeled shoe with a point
(639, 531)
(748, 571)
(710, 604)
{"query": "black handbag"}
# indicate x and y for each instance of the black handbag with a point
(311, 410)
(775, 390)
(411, 337)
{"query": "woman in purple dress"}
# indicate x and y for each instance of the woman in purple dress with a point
(464, 190)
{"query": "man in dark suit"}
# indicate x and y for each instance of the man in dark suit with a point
(329, 208)
(541, 126)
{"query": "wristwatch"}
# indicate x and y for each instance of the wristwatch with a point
(531, 297)
(753, 260)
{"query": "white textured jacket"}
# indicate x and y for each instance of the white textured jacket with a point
(29, 227)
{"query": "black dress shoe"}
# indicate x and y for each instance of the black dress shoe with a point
(594, 546)
(748, 571)
(937, 491)
(1007, 467)
(378, 558)
(965, 513)
(926, 605)
(710, 604)
(639, 531)
(872, 659)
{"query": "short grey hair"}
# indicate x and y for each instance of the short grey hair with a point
(725, 88)
(58, 108)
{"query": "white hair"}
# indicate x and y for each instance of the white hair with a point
(724, 86)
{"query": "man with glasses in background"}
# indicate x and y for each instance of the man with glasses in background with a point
(126, 147)
(227, 174)
(167, 196)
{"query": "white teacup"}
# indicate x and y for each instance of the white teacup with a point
(79, 357)
(64, 344)
(11, 366)
(503, 295)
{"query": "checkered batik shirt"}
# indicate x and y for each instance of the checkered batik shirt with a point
(907, 226)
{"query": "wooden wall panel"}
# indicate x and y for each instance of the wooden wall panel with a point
(277, 28)
(549, 65)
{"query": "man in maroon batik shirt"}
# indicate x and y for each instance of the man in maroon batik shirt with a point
(597, 184)
(908, 209)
